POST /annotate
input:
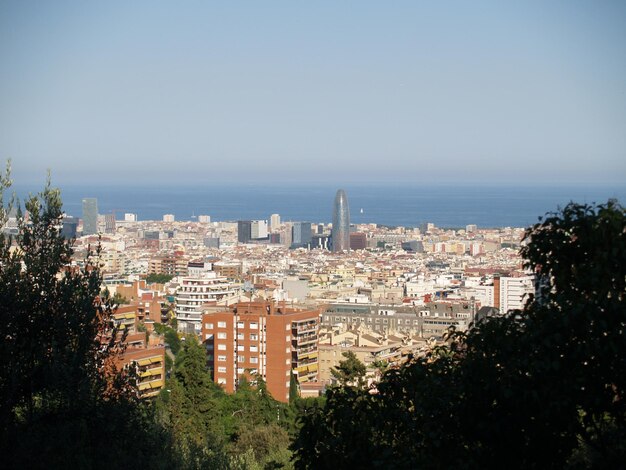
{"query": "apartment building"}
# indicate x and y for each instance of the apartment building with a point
(262, 339)
(511, 293)
(194, 292)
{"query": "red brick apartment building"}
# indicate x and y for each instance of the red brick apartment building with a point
(263, 339)
(147, 359)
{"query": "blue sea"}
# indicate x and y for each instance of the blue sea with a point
(446, 205)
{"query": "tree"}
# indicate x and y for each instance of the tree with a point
(350, 371)
(189, 407)
(158, 278)
(538, 388)
(57, 406)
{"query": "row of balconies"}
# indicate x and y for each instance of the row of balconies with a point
(304, 329)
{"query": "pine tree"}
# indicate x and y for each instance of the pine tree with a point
(58, 405)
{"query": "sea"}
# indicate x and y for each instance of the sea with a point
(402, 204)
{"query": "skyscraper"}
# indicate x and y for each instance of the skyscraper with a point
(244, 231)
(274, 222)
(301, 234)
(341, 223)
(90, 216)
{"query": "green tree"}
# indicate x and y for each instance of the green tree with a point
(158, 278)
(119, 299)
(540, 388)
(350, 371)
(190, 406)
(61, 404)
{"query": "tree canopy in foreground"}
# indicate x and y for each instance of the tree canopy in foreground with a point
(58, 406)
(539, 388)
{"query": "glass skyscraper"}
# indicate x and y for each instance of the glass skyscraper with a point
(341, 223)
(90, 216)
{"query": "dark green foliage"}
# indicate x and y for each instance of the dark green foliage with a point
(158, 278)
(119, 299)
(293, 388)
(542, 388)
(350, 371)
(57, 408)
(171, 337)
(215, 429)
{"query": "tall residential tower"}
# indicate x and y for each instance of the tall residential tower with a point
(341, 223)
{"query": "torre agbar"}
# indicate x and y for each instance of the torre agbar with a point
(341, 222)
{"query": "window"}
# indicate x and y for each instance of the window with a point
(240, 324)
(221, 347)
(221, 324)
(221, 369)
(221, 335)
(254, 326)
(254, 348)
(287, 327)
(254, 360)
(239, 370)
(241, 358)
(221, 381)
(254, 337)
(287, 338)
(241, 347)
(240, 336)
(208, 326)
(221, 358)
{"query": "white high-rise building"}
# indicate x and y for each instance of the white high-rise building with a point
(205, 219)
(513, 292)
(168, 218)
(194, 292)
(128, 217)
(258, 229)
(274, 222)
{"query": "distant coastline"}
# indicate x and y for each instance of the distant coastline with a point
(394, 205)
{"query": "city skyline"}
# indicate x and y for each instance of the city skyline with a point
(147, 92)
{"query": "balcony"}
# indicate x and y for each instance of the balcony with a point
(305, 329)
(307, 369)
(305, 339)
(158, 384)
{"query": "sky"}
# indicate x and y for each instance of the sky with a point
(156, 92)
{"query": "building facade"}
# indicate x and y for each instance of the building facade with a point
(341, 223)
(194, 292)
(301, 235)
(90, 216)
(262, 340)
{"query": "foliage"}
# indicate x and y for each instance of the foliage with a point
(171, 337)
(158, 278)
(541, 388)
(246, 429)
(350, 371)
(61, 401)
(119, 299)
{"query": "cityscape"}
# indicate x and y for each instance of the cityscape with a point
(383, 293)
(330, 235)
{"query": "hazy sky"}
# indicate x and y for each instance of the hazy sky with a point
(527, 92)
